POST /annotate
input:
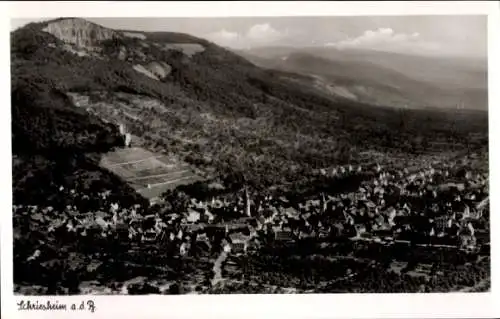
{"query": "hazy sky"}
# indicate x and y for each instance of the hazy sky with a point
(440, 35)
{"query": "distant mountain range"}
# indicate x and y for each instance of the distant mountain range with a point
(384, 78)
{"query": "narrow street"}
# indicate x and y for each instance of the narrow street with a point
(218, 268)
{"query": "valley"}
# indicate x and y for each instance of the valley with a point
(384, 79)
(171, 165)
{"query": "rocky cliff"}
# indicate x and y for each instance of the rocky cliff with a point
(79, 32)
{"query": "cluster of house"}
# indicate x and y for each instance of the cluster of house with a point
(434, 203)
(381, 208)
(384, 207)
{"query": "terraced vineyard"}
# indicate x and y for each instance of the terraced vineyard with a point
(148, 173)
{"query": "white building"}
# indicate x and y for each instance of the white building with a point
(193, 216)
(128, 139)
(239, 243)
(183, 249)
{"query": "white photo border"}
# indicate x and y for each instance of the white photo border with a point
(450, 305)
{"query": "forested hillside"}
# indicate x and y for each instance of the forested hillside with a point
(263, 124)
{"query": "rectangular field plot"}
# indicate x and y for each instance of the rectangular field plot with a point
(157, 190)
(161, 178)
(154, 172)
(118, 170)
(145, 164)
(125, 155)
(153, 166)
(149, 173)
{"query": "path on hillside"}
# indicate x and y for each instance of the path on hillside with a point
(484, 283)
(218, 268)
(325, 284)
(268, 286)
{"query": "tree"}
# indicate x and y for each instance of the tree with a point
(176, 288)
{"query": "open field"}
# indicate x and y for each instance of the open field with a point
(148, 173)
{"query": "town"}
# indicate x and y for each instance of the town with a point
(442, 206)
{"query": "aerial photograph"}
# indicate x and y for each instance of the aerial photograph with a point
(250, 155)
